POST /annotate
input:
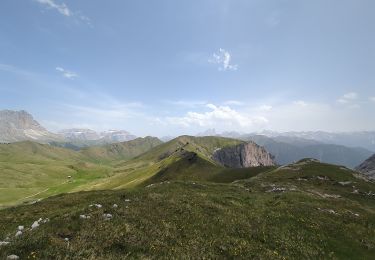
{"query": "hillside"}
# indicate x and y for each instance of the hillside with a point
(121, 151)
(308, 210)
(29, 171)
(193, 155)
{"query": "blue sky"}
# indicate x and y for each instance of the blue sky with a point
(172, 67)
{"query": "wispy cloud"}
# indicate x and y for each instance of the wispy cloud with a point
(66, 73)
(348, 98)
(372, 99)
(264, 108)
(234, 103)
(300, 103)
(186, 103)
(223, 59)
(64, 10)
(61, 8)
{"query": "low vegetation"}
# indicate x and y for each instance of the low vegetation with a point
(305, 210)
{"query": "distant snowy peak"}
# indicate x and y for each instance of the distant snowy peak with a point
(77, 134)
(80, 134)
(117, 135)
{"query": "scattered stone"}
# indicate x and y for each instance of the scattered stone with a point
(35, 225)
(107, 216)
(344, 183)
(322, 178)
(20, 228)
(355, 191)
(18, 233)
(277, 189)
(4, 243)
(66, 239)
(84, 217)
(115, 206)
(96, 205)
(331, 211)
(13, 257)
(127, 200)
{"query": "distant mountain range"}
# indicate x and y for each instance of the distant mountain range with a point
(285, 147)
(18, 126)
(109, 136)
(288, 148)
(364, 139)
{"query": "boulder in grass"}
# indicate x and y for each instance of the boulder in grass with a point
(107, 216)
(4, 243)
(18, 233)
(35, 225)
(20, 228)
(13, 257)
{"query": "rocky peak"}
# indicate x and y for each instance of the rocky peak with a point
(243, 156)
(20, 126)
(19, 120)
(367, 167)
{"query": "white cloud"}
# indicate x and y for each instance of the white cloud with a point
(64, 10)
(221, 117)
(348, 98)
(66, 73)
(61, 8)
(300, 103)
(372, 99)
(265, 108)
(223, 59)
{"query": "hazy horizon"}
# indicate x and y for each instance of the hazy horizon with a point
(168, 68)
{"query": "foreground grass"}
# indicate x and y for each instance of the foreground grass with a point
(194, 220)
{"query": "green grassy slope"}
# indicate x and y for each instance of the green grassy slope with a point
(308, 210)
(120, 151)
(29, 171)
(163, 161)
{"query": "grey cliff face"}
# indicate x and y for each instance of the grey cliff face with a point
(243, 156)
(20, 126)
(367, 167)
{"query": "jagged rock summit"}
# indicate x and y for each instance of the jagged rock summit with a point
(20, 126)
(243, 156)
(367, 167)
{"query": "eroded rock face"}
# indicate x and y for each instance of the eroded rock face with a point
(367, 167)
(243, 156)
(20, 126)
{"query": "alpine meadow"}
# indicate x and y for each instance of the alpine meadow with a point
(187, 129)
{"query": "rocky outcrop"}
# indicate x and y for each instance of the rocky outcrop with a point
(243, 156)
(367, 167)
(20, 126)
